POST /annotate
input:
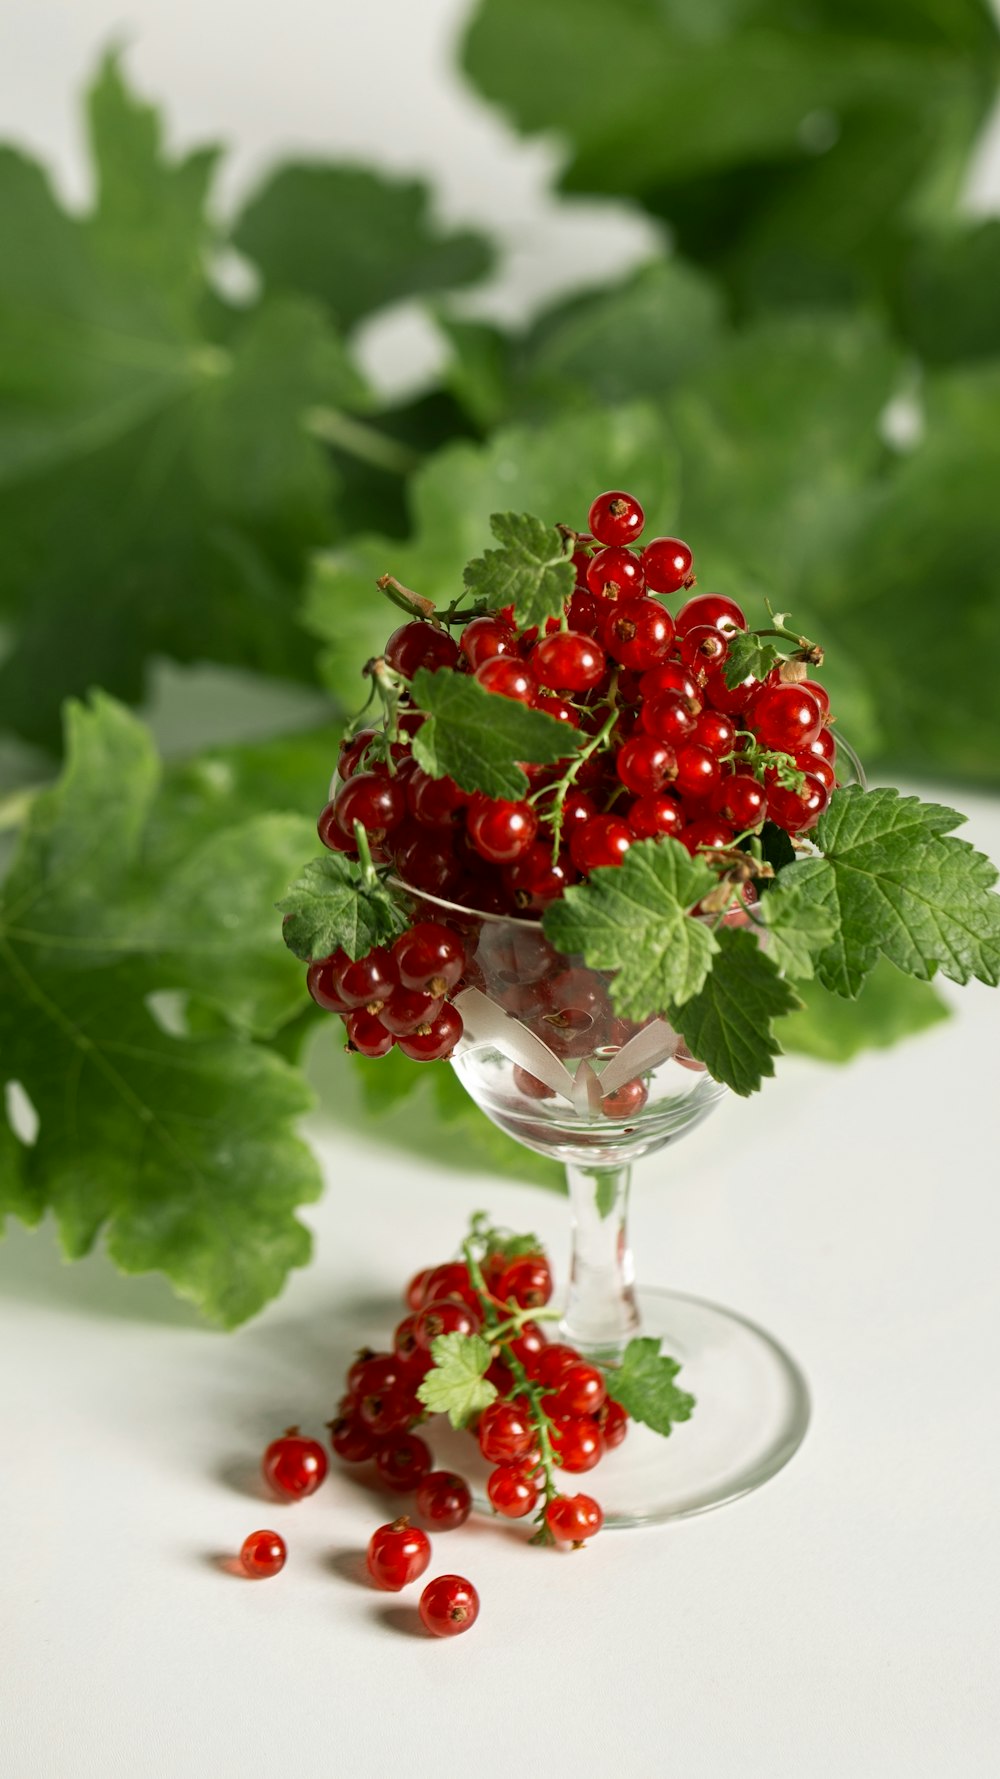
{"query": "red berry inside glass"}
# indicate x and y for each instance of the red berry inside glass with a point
(294, 1466)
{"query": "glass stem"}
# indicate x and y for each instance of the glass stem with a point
(601, 1314)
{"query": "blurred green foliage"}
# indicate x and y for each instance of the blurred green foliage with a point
(807, 385)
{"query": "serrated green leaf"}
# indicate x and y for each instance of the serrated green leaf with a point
(748, 653)
(477, 737)
(456, 1386)
(633, 918)
(334, 906)
(728, 1024)
(644, 1385)
(531, 570)
(798, 926)
(889, 1008)
(898, 885)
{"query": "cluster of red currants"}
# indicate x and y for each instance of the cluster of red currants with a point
(676, 751)
(397, 996)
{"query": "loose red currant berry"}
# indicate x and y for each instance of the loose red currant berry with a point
(614, 574)
(703, 647)
(603, 841)
(294, 1466)
(351, 1440)
(796, 811)
(367, 981)
(405, 1010)
(581, 1391)
(714, 730)
(430, 958)
(506, 1431)
(448, 1316)
(616, 518)
(332, 834)
(418, 644)
(787, 718)
(670, 717)
(666, 564)
(713, 610)
(448, 1605)
(742, 801)
(501, 832)
(613, 1422)
(650, 816)
(626, 1100)
(485, 638)
(367, 1035)
(699, 774)
(444, 1499)
(512, 1490)
(638, 633)
(568, 662)
(403, 1461)
(397, 1554)
(526, 1281)
(553, 1363)
(434, 1042)
(577, 1443)
(378, 803)
(530, 1086)
(708, 831)
(263, 1555)
(321, 981)
(538, 879)
(573, 1518)
(508, 677)
(645, 765)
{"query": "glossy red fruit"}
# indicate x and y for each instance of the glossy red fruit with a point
(714, 730)
(444, 1500)
(403, 1461)
(670, 717)
(742, 801)
(416, 1290)
(512, 1490)
(577, 1443)
(603, 841)
(787, 718)
(429, 958)
(568, 662)
(449, 1605)
(626, 1100)
(397, 1554)
(671, 676)
(418, 644)
(405, 1010)
(581, 1391)
(616, 518)
(426, 861)
(432, 1043)
(506, 1431)
(732, 699)
(823, 747)
(332, 834)
(703, 647)
(537, 879)
(666, 564)
(351, 1440)
(509, 677)
(529, 1345)
(613, 1422)
(713, 610)
(367, 1035)
(294, 1466)
(819, 692)
(573, 1518)
(501, 832)
(583, 613)
(644, 764)
(699, 774)
(553, 1363)
(322, 983)
(434, 802)
(446, 1316)
(614, 574)
(263, 1554)
(707, 831)
(578, 806)
(377, 802)
(352, 751)
(797, 811)
(367, 981)
(818, 767)
(530, 1086)
(447, 1281)
(527, 1281)
(649, 817)
(484, 638)
(638, 633)
(558, 709)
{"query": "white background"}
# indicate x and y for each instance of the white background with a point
(840, 1622)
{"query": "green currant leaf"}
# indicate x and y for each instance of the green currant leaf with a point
(644, 1385)
(478, 737)
(531, 570)
(897, 884)
(501, 1241)
(727, 1024)
(335, 905)
(799, 927)
(456, 1385)
(748, 653)
(633, 918)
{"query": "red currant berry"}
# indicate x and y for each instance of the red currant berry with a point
(449, 1605)
(708, 831)
(321, 981)
(626, 1100)
(418, 644)
(573, 1518)
(645, 765)
(426, 862)
(359, 1374)
(568, 662)
(577, 1443)
(714, 730)
(416, 1290)
(819, 692)
(430, 958)
(501, 832)
(367, 1035)
(294, 1466)
(732, 699)
(553, 1363)
(742, 801)
(616, 518)
(263, 1555)
(485, 638)
(666, 564)
(508, 677)
(332, 834)
(671, 676)
(367, 981)
(447, 1316)
(434, 802)
(434, 1042)
(818, 767)
(713, 610)
(670, 717)
(526, 1281)
(703, 647)
(450, 1280)
(558, 709)
(649, 817)
(613, 1422)
(824, 747)
(353, 751)
(378, 803)
(603, 841)
(404, 1340)
(397, 1554)
(528, 1346)
(512, 1490)
(638, 633)
(583, 613)
(351, 1440)
(614, 574)
(403, 1461)
(699, 774)
(581, 1391)
(444, 1500)
(506, 1431)
(530, 1086)
(787, 718)
(405, 1010)
(537, 879)
(796, 811)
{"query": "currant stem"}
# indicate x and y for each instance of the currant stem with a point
(565, 785)
(333, 427)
